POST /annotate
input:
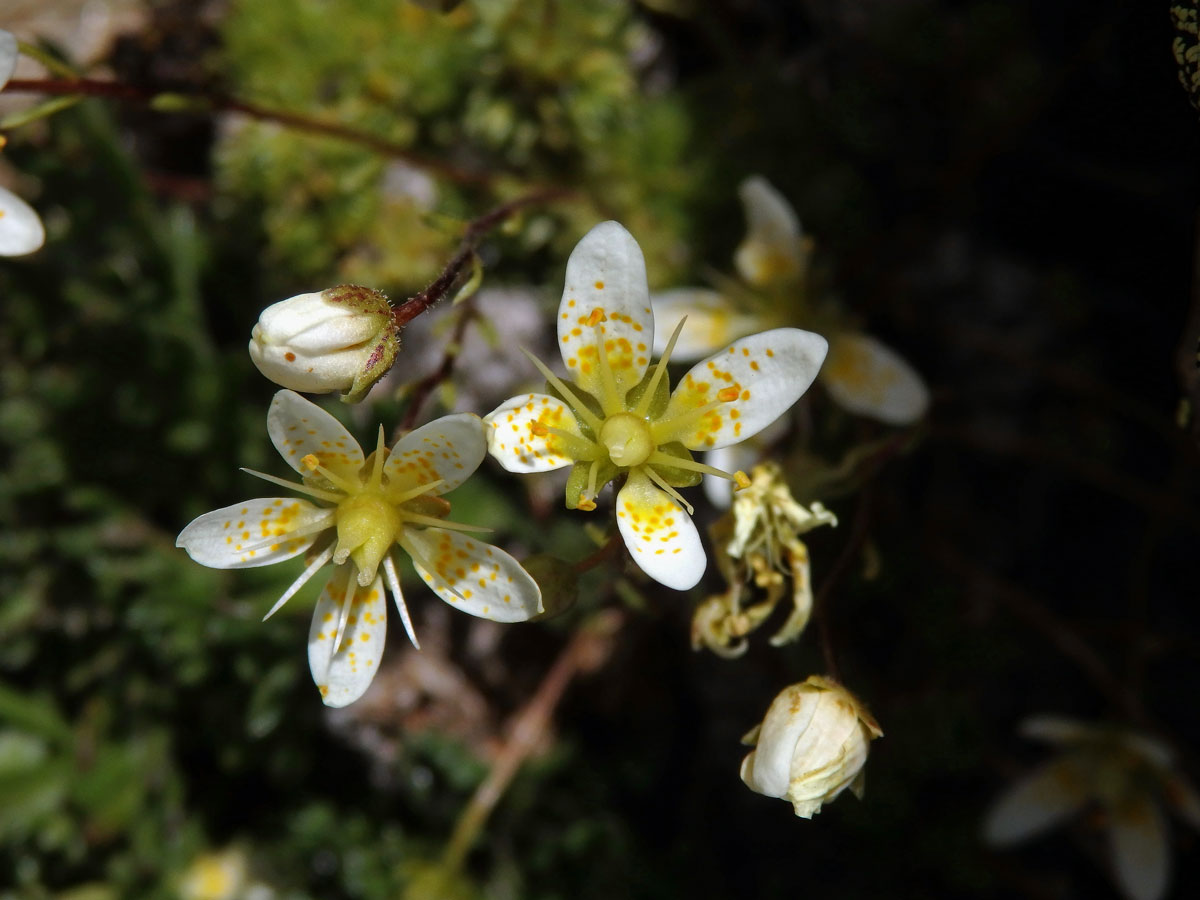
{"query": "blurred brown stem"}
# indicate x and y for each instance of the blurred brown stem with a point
(588, 649)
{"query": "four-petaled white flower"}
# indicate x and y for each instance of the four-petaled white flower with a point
(365, 507)
(1126, 774)
(862, 375)
(618, 416)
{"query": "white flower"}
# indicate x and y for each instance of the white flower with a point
(618, 417)
(366, 507)
(341, 339)
(1127, 774)
(21, 230)
(861, 374)
(811, 746)
(9, 51)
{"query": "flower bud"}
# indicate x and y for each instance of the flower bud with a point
(811, 746)
(341, 339)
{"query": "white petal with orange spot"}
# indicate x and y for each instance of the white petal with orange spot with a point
(743, 389)
(254, 533)
(660, 535)
(21, 229)
(772, 250)
(606, 300)
(298, 428)
(473, 576)
(450, 448)
(516, 438)
(712, 322)
(1138, 835)
(868, 378)
(344, 676)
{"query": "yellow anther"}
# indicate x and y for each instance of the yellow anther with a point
(728, 394)
(310, 462)
(539, 429)
(587, 504)
(595, 317)
(742, 480)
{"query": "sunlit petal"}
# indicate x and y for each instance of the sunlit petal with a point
(748, 386)
(606, 299)
(712, 322)
(298, 428)
(254, 533)
(660, 535)
(21, 230)
(518, 434)
(472, 576)
(772, 251)
(1036, 803)
(1141, 856)
(868, 378)
(343, 676)
(450, 449)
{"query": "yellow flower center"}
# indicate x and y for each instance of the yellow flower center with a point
(627, 439)
(367, 525)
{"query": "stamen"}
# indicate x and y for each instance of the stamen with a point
(612, 402)
(577, 406)
(741, 479)
(582, 449)
(423, 565)
(309, 570)
(415, 492)
(659, 458)
(658, 479)
(312, 528)
(393, 583)
(380, 458)
(299, 488)
(677, 427)
(659, 370)
(348, 595)
(418, 519)
(590, 496)
(313, 463)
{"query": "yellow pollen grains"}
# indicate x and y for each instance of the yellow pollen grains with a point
(627, 439)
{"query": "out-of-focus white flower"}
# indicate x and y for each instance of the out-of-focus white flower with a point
(368, 507)
(811, 745)
(869, 378)
(1128, 775)
(758, 543)
(861, 374)
(340, 339)
(617, 415)
(8, 56)
(21, 230)
(215, 876)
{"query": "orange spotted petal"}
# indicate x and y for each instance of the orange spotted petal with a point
(472, 576)
(518, 438)
(606, 292)
(450, 448)
(254, 533)
(344, 676)
(748, 386)
(660, 535)
(299, 428)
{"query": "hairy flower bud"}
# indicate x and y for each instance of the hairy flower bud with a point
(341, 339)
(811, 746)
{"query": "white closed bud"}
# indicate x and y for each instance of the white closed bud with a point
(811, 746)
(341, 339)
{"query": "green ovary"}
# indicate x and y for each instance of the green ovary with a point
(367, 526)
(627, 439)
